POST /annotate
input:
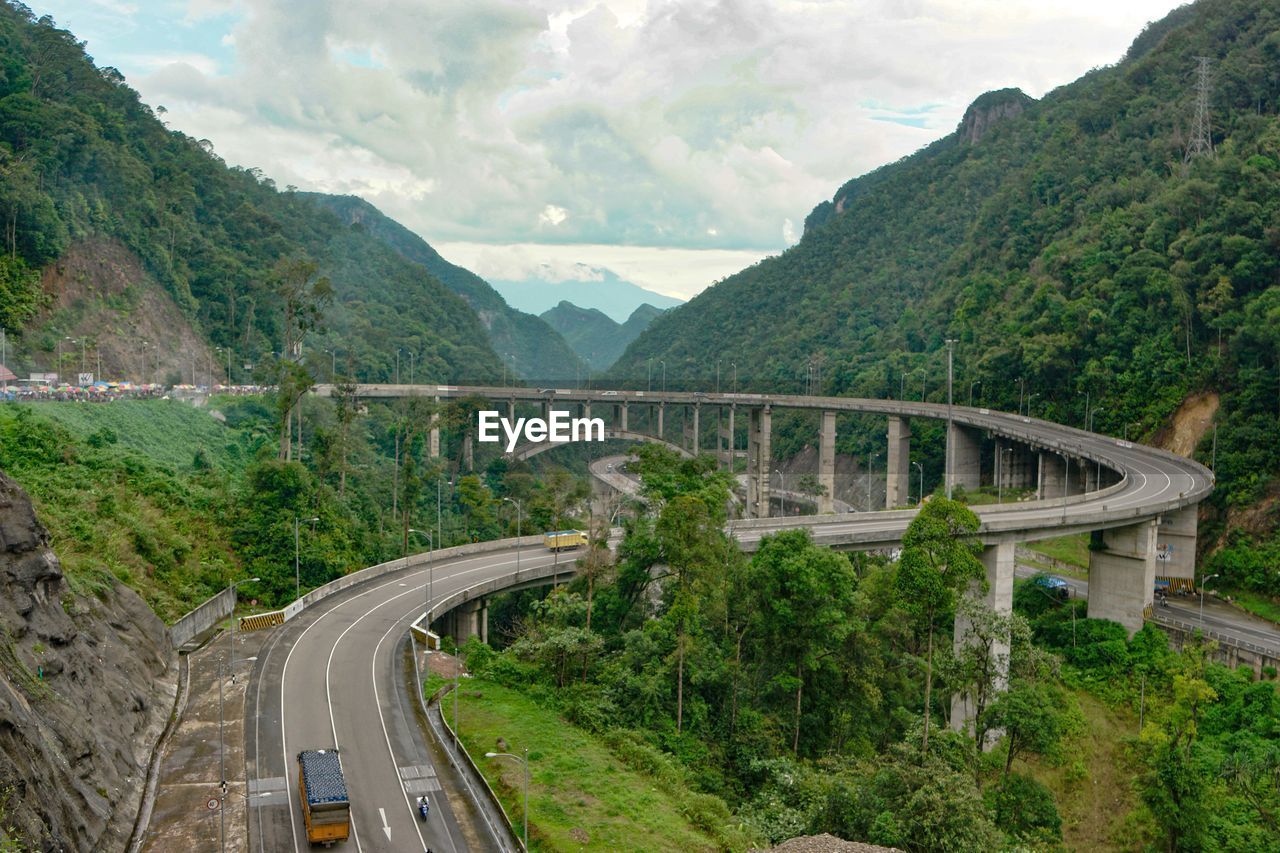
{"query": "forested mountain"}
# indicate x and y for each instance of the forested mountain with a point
(84, 159)
(1063, 242)
(594, 335)
(534, 349)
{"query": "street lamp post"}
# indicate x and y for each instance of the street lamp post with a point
(663, 362)
(971, 384)
(297, 572)
(431, 569)
(1086, 411)
(734, 365)
(950, 346)
(650, 374)
(519, 513)
(1000, 475)
(782, 482)
(233, 623)
(871, 459)
(1204, 581)
(525, 763)
(921, 500)
(412, 359)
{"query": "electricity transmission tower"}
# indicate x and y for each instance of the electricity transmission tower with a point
(1201, 142)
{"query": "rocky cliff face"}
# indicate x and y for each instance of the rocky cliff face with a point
(86, 686)
(990, 108)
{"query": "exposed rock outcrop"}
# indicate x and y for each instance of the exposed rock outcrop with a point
(86, 686)
(990, 108)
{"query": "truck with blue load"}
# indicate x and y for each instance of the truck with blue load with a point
(326, 809)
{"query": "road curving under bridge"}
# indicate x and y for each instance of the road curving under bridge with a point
(331, 676)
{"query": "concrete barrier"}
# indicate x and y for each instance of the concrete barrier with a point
(258, 621)
(202, 618)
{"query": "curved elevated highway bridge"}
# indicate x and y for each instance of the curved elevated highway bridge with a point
(333, 676)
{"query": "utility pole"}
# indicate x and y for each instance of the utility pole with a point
(950, 347)
(1201, 142)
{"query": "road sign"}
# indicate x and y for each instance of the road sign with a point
(85, 379)
(213, 804)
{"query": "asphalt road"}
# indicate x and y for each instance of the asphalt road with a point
(333, 677)
(1219, 616)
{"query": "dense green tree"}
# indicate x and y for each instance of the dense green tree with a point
(940, 557)
(805, 606)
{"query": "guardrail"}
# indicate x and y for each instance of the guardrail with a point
(1225, 639)
(218, 607)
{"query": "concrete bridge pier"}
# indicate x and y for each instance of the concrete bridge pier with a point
(1018, 465)
(1176, 544)
(1122, 573)
(469, 619)
(620, 416)
(827, 463)
(433, 442)
(759, 457)
(898, 467)
(1052, 477)
(724, 441)
(998, 560)
(966, 457)
(662, 411)
(690, 429)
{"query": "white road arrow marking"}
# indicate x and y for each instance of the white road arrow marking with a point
(385, 828)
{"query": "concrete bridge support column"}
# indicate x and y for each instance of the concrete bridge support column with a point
(1052, 477)
(1078, 473)
(1176, 544)
(586, 410)
(966, 457)
(433, 442)
(511, 411)
(467, 621)
(897, 490)
(724, 441)
(759, 454)
(483, 618)
(1122, 573)
(662, 411)
(691, 429)
(999, 561)
(1020, 466)
(620, 416)
(827, 463)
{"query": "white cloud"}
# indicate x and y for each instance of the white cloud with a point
(684, 124)
(552, 215)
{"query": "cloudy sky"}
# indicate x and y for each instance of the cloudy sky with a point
(672, 141)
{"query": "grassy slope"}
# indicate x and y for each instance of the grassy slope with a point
(581, 797)
(166, 431)
(1093, 787)
(133, 508)
(1072, 549)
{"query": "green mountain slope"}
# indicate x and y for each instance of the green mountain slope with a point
(84, 158)
(594, 335)
(1060, 242)
(538, 351)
